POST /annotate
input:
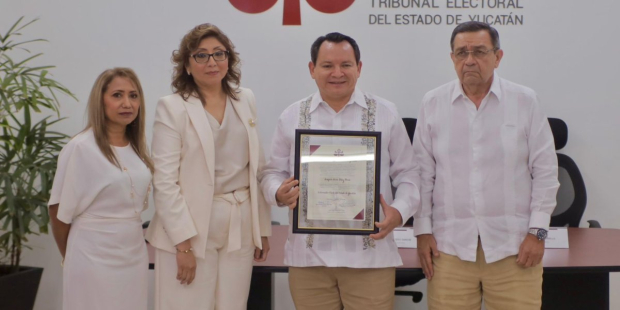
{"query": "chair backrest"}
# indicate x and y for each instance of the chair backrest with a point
(571, 197)
(410, 123)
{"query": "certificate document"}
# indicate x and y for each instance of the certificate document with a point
(337, 188)
(339, 175)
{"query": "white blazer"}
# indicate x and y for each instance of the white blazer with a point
(183, 154)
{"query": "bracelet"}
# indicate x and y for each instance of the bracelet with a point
(186, 251)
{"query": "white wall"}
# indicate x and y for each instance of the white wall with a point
(566, 50)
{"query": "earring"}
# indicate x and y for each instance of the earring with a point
(189, 73)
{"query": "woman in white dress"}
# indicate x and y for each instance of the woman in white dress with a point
(100, 189)
(212, 220)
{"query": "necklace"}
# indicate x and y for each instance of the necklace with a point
(133, 194)
(133, 189)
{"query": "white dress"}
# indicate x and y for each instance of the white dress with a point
(106, 263)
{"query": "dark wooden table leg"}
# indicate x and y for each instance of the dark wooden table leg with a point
(261, 293)
(575, 291)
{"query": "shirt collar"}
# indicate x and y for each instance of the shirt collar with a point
(495, 89)
(357, 97)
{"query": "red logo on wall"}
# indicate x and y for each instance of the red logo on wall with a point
(292, 10)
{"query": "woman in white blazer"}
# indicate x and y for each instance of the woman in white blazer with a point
(211, 219)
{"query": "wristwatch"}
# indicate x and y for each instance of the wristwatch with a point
(540, 233)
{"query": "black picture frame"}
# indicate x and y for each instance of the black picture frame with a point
(373, 140)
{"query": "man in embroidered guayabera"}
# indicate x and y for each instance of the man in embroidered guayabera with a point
(329, 272)
(489, 178)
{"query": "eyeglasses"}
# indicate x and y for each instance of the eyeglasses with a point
(202, 58)
(477, 53)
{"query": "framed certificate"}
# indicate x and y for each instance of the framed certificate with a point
(339, 174)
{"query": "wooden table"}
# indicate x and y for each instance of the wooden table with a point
(574, 278)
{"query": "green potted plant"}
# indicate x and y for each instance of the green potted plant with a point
(28, 152)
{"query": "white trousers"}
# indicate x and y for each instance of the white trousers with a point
(222, 278)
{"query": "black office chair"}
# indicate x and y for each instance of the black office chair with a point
(404, 277)
(410, 126)
(571, 197)
(410, 123)
(571, 203)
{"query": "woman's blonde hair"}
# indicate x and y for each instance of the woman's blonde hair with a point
(183, 83)
(97, 118)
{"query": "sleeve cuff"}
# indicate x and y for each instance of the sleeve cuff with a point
(266, 231)
(270, 196)
(403, 209)
(179, 235)
(422, 226)
(64, 215)
(64, 219)
(540, 220)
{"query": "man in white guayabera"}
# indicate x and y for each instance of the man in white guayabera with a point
(329, 272)
(489, 178)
